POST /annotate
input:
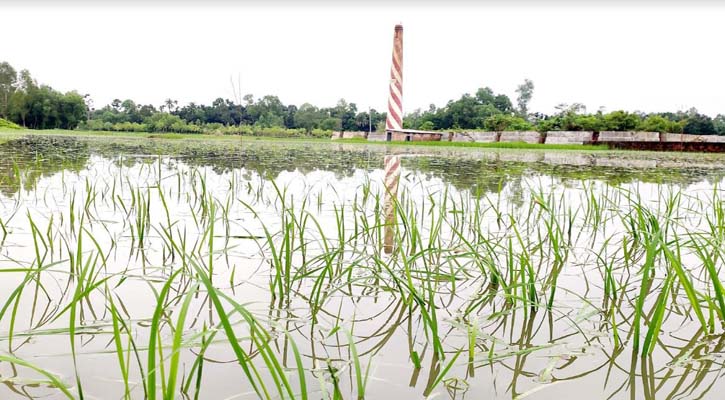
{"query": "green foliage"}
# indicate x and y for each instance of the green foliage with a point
(45, 108)
(502, 122)
(331, 124)
(621, 121)
(698, 124)
(427, 126)
(571, 118)
(658, 123)
(719, 124)
(25, 102)
(308, 117)
(468, 112)
(588, 122)
(524, 91)
(8, 79)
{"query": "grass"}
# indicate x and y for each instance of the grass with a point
(170, 276)
(5, 124)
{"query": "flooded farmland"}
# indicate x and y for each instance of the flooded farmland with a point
(236, 270)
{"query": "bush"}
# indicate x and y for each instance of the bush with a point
(621, 121)
(427, 126)
(658, 123)
(163, 122)
(588, 123)
(502, 122)
(321, 133)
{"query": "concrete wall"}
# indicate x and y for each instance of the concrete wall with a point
(521, 136)
(416, 137)
(377, 137)
(628, 136)
(551, 137)
(434, 137)
(490, 137)
(568, 137)
(480, 137)
(679, 137)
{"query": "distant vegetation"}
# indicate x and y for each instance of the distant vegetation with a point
(24, 101)
(32, 105)
(494, 112)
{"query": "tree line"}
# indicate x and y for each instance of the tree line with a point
(26, 102)
(266, 114)
(35, 106)
(486, 110)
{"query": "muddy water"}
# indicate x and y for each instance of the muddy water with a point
(126, 201)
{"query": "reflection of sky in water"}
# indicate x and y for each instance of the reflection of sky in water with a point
(573, 339)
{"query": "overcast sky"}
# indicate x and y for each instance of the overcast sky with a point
(618, 56)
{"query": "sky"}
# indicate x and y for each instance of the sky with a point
(642, 56)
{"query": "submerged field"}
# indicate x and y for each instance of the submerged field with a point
(228, 270)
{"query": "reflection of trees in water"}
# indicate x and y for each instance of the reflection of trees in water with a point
(25, 160)
(488, 173)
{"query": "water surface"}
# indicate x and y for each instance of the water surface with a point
(516, 274)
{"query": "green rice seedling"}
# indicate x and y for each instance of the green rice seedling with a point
(123, 361)
(360, 382)
(197, 368)
(707, 252)
(259, 337)
(657, 317)
(176, 345)
(675, 261)
(53, 379)
(154, 340)
(37, 236)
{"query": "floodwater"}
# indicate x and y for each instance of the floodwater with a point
(517, 274)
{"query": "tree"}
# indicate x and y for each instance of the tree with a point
(503, 104)
(346, 113)
(26, 81)
(719, 124)
(171, 105)
(89, 105)
(308, 117)
(72, 110)
(42, 107)
(468, 112)
(331, 124)
(8, 79)
(129, 108)
(525, 91)
(698, 124)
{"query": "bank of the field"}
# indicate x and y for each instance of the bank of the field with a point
(6, 134)
(492, 145)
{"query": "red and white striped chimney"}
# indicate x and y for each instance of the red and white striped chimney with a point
(395, 101)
